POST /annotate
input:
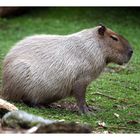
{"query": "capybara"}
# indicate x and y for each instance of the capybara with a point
(42, 69)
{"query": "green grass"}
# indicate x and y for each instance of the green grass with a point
(122, 85)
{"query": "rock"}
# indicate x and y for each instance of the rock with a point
(13, 11)
(21, 119)
(34, 124)
(62, 127)
(6, 11)
(6, 107)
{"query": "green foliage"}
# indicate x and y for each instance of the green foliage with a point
(123, 85)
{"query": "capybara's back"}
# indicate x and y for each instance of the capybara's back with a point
(39, 69)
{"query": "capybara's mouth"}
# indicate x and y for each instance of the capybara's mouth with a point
(121, 63)
(124, 62)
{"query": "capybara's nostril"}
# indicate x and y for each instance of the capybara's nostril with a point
(130, 52)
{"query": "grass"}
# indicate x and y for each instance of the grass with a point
(121, 85)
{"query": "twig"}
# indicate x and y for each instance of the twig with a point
(132, 114)
(131, 105)
(110, 97)
(122, 127)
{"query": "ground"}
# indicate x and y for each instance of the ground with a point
(120, 114)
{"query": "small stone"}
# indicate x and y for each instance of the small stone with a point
(101, 124)
(105, 132)
(34, 124)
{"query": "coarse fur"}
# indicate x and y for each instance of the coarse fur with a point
(42, 69)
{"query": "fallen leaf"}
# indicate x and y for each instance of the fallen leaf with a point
(116, 115)
(102, 124)
(105, 132)
(32, 130)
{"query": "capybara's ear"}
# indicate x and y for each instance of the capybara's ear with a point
(101, 30)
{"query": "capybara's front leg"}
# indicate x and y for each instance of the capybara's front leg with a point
(79, 91)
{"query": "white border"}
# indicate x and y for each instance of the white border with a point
(69, 2)
(70, 136)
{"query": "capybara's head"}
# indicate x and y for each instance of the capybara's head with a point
(116, 48)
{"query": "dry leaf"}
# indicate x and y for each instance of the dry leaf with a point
(102, 124)
(116, 115)
(105, 132)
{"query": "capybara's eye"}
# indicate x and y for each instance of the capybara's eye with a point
(114, 38)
